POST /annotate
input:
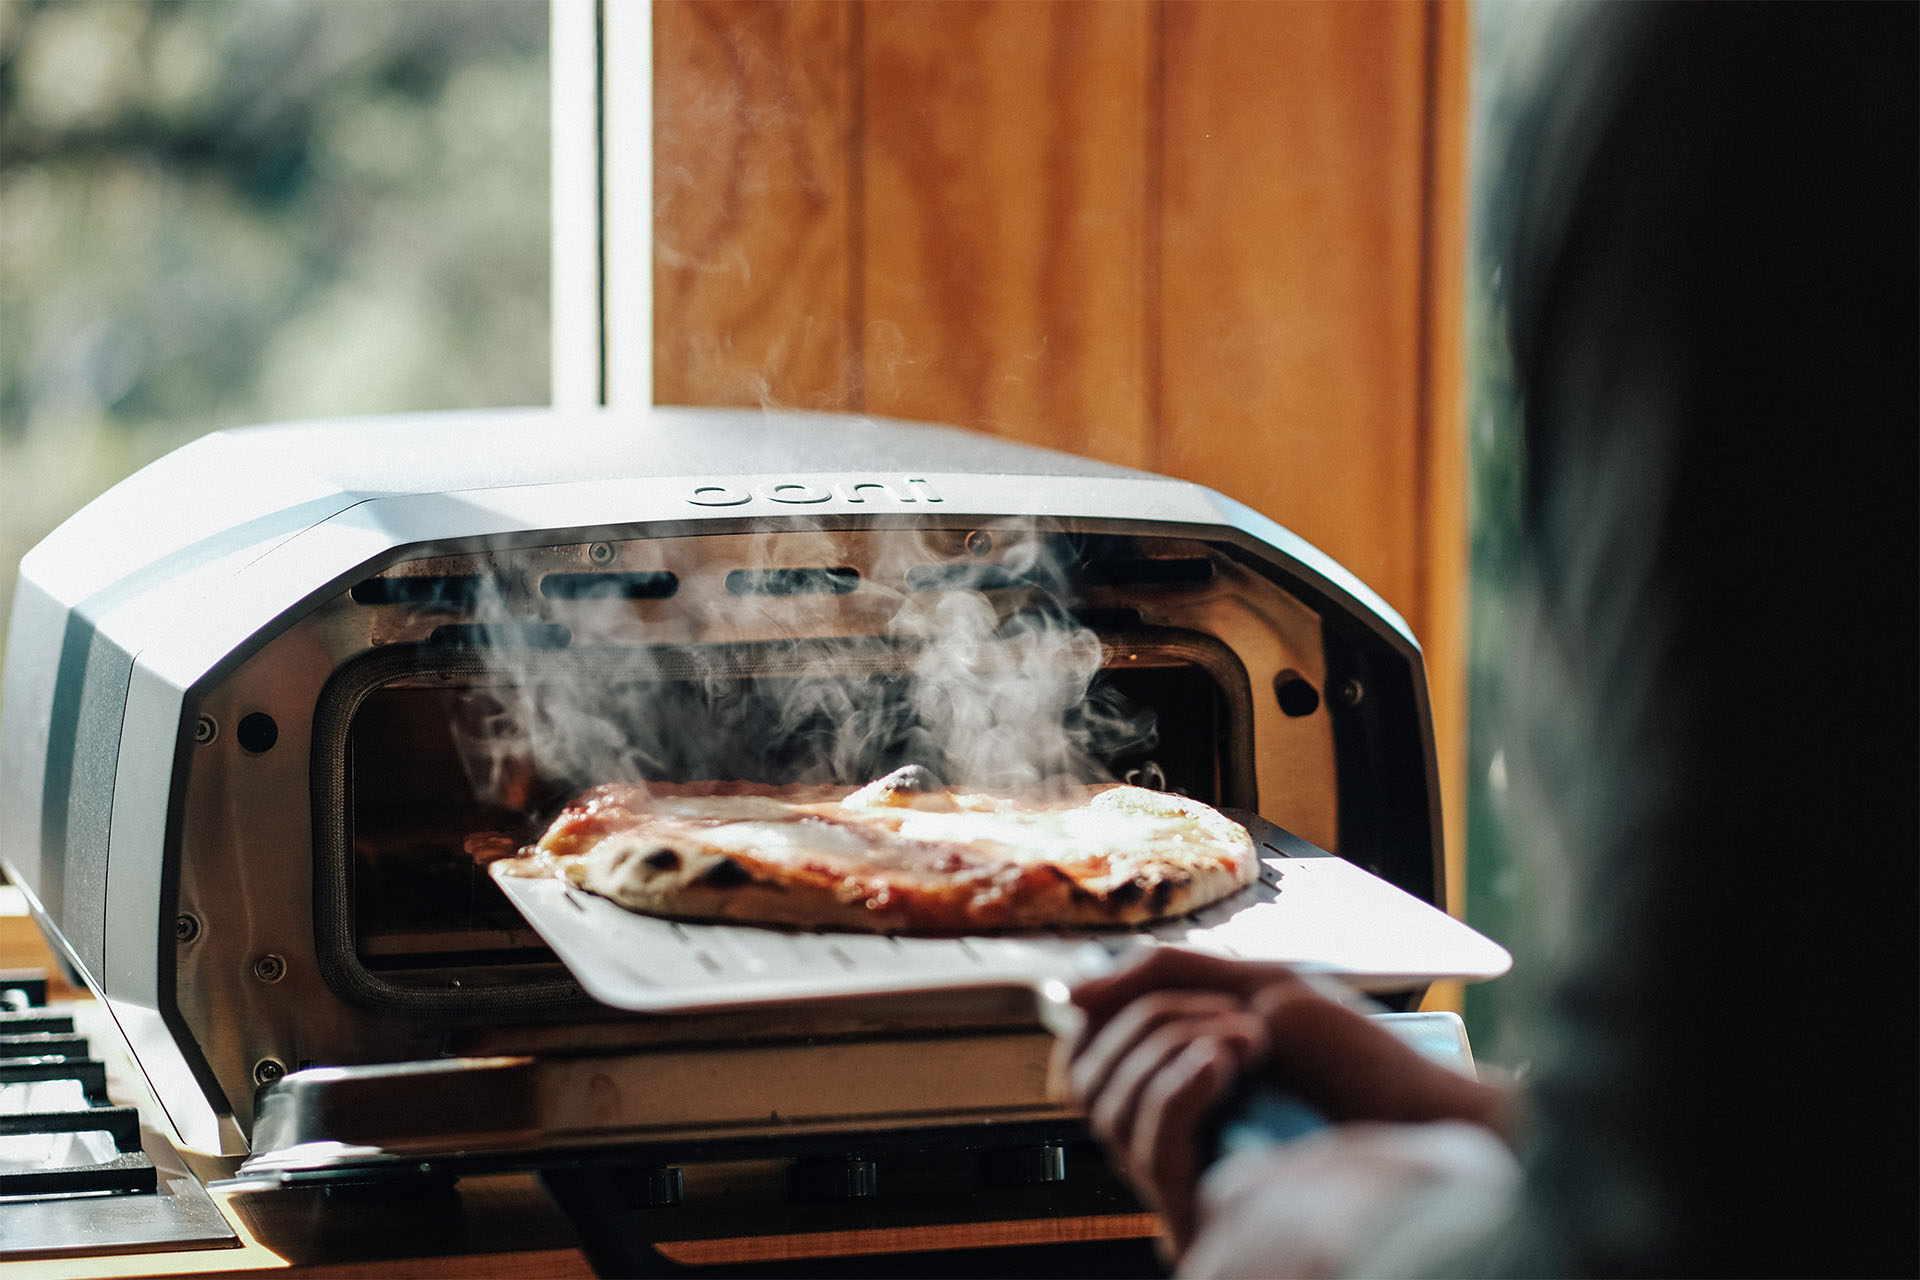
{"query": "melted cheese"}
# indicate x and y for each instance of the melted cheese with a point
(968, 833)
(929, 857)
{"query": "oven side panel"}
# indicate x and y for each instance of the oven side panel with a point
(127, 568)
(66, 688)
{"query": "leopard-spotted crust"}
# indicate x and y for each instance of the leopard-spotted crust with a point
(896, 856)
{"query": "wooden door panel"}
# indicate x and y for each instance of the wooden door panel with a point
(1292, 260)
(754, 204)
(1004, 280)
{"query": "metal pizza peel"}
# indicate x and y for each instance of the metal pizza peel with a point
(1308, 909)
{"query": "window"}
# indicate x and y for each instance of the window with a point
(220, 212)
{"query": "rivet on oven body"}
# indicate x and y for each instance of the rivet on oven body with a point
(270, 968)
(600, 553)
(205, 730)
(267, 1070)
(1350, 692)
(186, 927)
(979, 543)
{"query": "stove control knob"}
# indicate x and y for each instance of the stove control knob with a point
(651, 1187)
(1021, 1166)
(831, 1178)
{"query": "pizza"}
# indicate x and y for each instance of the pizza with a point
(899, 855)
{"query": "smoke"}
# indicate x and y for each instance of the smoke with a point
(1011, 705)
(981, 675)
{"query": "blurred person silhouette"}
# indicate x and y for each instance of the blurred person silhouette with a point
(1712, 273)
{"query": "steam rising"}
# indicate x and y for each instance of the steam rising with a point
(987, 691)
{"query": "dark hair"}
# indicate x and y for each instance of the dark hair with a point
(1715, 296)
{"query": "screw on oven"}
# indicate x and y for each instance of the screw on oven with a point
(979, 543)
(205, 730)
(267, 1070)
(600, 553)
(186, 927)
(270, 968)
(1350, 692)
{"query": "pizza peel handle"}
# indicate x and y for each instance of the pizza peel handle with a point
(1262, 1116)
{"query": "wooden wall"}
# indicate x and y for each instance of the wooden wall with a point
(1219, 239)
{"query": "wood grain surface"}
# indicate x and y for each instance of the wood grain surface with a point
(1292, 311)
(1007, 205)
(1442, 611)
(755, 199)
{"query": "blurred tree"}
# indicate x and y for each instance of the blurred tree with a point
(215, 212)
(1510, 44)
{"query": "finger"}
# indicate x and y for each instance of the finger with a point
(1172, 968)
(1095, 1057)
(1174, 1111)
(1112, 1109)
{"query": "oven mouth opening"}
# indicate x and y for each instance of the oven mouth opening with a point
(416, 781)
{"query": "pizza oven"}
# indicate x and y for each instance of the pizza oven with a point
(266, 699)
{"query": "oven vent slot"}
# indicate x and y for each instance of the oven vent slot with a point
(792, 582)
(654, 585)
(1172, 571)
(501, 635)
(452, 592)
(967, 577)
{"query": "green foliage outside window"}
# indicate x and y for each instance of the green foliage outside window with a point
(216, 212)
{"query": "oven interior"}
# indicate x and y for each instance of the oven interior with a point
(448, 761)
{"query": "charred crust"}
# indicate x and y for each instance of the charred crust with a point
(662, 859)
(1075, 891)
(725, 873)
(1128, 892)
(1162, 893)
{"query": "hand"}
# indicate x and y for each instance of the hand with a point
(1168, 1039)
(1150, 1074)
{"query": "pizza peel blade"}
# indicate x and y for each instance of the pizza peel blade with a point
(1309, 909)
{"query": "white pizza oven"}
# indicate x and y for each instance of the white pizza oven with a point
(260, 696)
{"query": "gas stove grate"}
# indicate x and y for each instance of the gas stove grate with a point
(77, 1176)
(59, 1132)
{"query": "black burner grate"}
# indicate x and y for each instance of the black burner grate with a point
(60, 1135)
